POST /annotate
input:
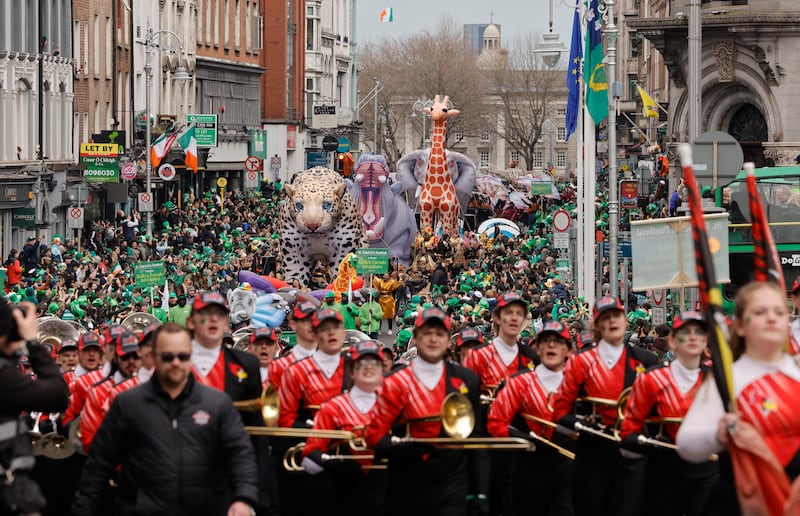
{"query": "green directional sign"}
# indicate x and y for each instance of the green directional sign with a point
(372, 261)
(205, 129)
(149, 274)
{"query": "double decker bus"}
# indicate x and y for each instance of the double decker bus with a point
(779, 188)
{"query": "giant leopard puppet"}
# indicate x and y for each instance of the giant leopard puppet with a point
(318, 219)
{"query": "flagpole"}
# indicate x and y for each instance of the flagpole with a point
(590, 182)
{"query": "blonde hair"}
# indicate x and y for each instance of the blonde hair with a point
(743, 297)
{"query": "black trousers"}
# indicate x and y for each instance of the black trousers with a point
(676, 487)
(345, 488)
(432, 486)
(542, 483)
(598, 477)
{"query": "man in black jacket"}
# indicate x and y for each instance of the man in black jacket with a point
(182, 446)
(19, 392)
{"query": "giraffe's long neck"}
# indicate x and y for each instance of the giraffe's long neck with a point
(437, 138)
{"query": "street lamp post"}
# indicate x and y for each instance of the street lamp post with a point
(179, 74)
(419, 107)
(611, 32)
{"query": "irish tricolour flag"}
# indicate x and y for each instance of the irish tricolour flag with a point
(161, 147)
(188, 143)
(386, 15)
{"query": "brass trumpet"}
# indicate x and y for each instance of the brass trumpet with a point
(458, 421)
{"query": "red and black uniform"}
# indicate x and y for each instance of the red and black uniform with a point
(436, 481)
(304, 388)
(667, 391)
(600, 472)
(94, 411)
(771, 404)
(341, 413)
(485, 360)
(488, 363)
(79, 391)
(279, 366)
(545, 475)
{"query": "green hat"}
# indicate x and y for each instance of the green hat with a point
(330, 295)
(173, 295)
(53, 307)
(97, 302)
(68, 316)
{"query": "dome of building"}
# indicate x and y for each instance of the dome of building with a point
(491, 31)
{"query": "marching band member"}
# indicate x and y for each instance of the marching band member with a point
(90, 370)
(546, 475)
(467, 340)
(601, 371)
(436, 480)
(264, 345)
(310, 382)
(145, 371)
(505, 355)
(125, 365)
(351, 412)
(666, 391)
(67, 356)
(794, 334)
(766, 382)
(300, 323)
(494, 363)
(230, 370)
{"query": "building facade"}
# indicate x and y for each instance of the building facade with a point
(748, 74)
(36, 110)
(283, 85)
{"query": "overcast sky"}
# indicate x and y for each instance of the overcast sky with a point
(515, 17)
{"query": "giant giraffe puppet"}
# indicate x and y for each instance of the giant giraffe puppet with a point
(438, 179)
(438, 193)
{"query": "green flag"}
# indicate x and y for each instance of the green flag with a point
(594, 71)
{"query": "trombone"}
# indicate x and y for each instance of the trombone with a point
(269, 406)
(589, 422)
(458, 421)
(560, 449)
(292, 459)
(488, 394)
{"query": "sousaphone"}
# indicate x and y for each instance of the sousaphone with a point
(52, 331)
(137, 322)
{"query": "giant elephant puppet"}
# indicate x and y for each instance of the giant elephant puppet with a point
(388, 220)
(242, 304)
(412, 167)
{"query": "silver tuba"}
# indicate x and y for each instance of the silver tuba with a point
(52, 331)
(137, 322)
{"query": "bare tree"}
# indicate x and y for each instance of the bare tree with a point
(420, 66)
(524, 92)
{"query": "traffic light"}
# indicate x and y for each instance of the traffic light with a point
(340, 162)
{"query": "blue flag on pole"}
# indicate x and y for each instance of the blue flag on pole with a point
(574, 74)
